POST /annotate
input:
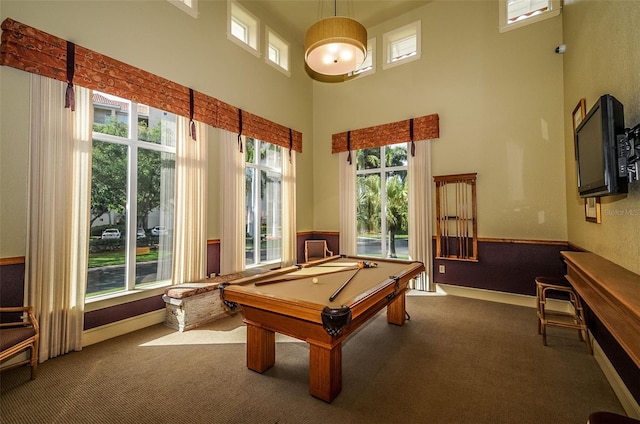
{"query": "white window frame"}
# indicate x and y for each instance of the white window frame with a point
(368, 67)
(382, 170)
(188, 6)
(133, 146)
(389, 38)
(241, 15)
(256, 187)
(555, 7)
(282, 46)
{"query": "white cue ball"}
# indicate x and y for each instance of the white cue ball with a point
(314, 280)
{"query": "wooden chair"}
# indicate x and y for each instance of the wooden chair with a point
(19, 335)
(316, 249)
(575, 320)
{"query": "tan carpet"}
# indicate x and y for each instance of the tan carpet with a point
(457, 360)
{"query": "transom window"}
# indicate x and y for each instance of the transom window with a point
(263, 202)
(243, 27)
(188, 6)
(368, 66)
(382, 201)
(402, 45)
(517, 13)
(277, 52)
(132, 195)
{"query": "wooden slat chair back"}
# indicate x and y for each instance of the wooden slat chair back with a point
(19, 335)
(316, 249)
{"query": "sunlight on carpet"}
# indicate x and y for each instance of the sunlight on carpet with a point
(229, 330)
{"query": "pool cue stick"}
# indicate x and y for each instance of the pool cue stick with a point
(300, 277)
(337, 292)
(280, 280)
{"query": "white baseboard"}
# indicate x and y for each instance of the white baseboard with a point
(109, 331)
(623, 394)
(502, 297)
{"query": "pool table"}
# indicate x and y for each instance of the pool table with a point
(296, 301)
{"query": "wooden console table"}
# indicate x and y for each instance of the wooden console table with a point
(612, 293)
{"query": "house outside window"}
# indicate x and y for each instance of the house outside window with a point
(382, 202)
(401, 45)
(263, 202)
(132, 196)
(243, 28)
(518, 13)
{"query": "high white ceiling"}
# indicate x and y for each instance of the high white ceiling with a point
(299, 15)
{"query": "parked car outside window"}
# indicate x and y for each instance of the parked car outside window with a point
(141, 234)
(111, 233)
(159, 230)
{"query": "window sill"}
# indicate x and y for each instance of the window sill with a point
(113, 299)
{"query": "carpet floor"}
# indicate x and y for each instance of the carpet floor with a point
(457, 360)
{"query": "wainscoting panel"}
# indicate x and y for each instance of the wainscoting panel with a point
(504, 265)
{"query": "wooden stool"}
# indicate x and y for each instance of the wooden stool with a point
(575, 320)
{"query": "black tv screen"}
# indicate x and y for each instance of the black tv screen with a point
(597, 149)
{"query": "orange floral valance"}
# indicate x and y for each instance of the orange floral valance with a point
(422, 128)
(31, 50)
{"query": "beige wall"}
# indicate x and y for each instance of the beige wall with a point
(499, 97)
(504, 110)
(603, 56)
(159, 38)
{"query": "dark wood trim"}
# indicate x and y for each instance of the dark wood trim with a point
(543, 242)
(215, 241)
(576, 247)
(12, 261)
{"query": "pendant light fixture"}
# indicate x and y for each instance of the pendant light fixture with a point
(336, 45)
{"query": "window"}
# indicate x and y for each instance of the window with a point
(132, 195)
(263, 202)
(243, 28)
(188, 6)
(401, 45)
(517, 13)
(277, 52)
(382, 201)
(368, 66)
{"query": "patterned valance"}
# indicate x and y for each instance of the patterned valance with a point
(422, 128)
(31, 50)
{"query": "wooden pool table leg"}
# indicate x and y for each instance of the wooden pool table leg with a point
(325, 371)
(397, 310)
(261, 348)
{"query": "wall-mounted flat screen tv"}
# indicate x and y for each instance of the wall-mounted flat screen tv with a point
(597, 149)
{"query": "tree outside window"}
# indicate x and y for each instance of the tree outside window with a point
(132, 200)
(382, 203)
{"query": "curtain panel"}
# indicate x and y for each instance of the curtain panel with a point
(419, 176)
(190, 221)
(233, 216)
(58, 209)
(424, 128)
(31, 50)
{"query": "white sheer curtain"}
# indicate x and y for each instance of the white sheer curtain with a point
(232, 201)
(419, 174)
(190, 229)
(289, 237)
(58, 208)
(348, 230)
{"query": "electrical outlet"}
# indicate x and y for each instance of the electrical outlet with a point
(441, 269)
